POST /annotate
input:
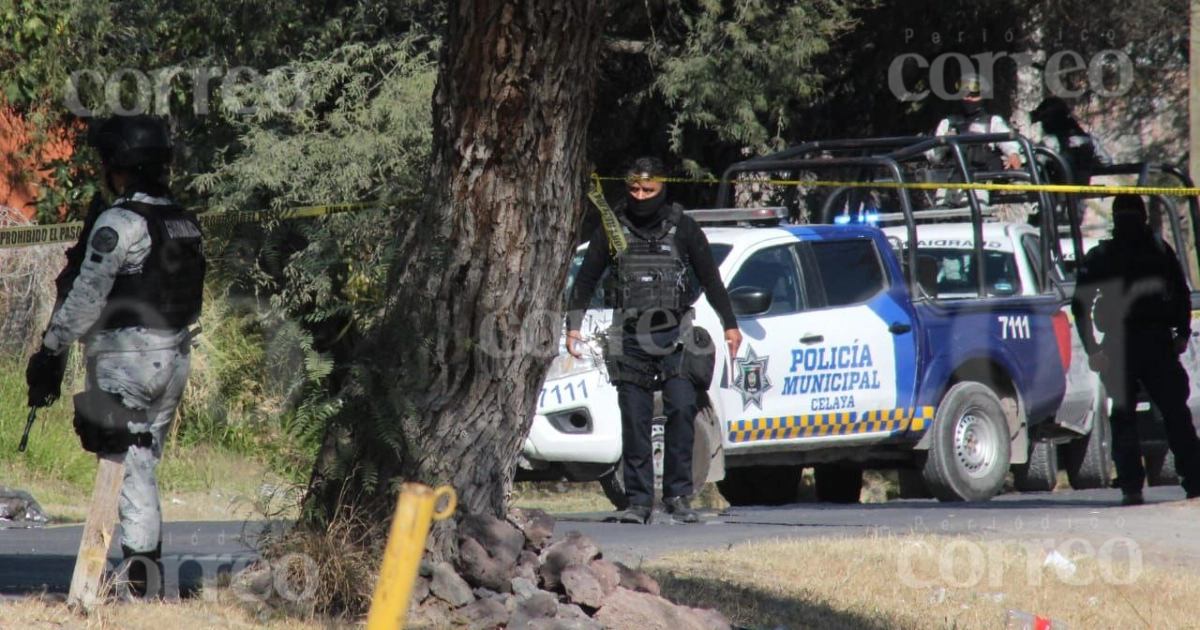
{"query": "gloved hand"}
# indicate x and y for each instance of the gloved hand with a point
(44, 376)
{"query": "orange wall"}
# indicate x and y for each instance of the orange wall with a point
(20, 177)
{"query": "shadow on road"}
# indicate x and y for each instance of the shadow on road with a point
(755, 608)
(51, 574)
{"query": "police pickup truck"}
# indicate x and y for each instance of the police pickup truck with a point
(847, 363)
(1078, 437)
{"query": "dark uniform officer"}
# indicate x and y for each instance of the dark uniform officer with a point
(1133, 287)
(130, 298)
(1065, 136)
(654, 293)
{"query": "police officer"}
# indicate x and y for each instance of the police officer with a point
(1063, 134)
(130, 299)
(1133, 288)
(652, 281)
(973, 118)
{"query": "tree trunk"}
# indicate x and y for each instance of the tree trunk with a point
(474, 317)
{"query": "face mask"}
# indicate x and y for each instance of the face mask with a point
(971, 108)
(645, 208)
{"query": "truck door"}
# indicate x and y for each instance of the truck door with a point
(822, 361)
(869, 337)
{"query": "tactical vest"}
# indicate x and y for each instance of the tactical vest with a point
(168, 292)
(652, 272)
(978, 156)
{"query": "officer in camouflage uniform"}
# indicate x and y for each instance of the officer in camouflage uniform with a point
(132, 288)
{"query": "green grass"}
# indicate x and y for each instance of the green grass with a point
(229, 435)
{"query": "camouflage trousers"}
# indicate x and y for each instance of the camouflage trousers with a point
(150, 380)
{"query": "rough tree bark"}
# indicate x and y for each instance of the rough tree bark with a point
(449, 383)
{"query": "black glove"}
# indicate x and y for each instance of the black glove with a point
(44, 376)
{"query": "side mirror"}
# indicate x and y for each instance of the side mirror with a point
(749, 301)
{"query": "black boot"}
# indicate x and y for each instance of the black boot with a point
(144, 572)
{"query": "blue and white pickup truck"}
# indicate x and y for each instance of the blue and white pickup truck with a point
(847, 363)
(1078, 437)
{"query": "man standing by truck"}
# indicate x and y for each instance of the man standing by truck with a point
(1134, 290)
(653, 292)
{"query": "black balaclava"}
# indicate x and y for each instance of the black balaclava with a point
(646, 211)
(1129, 218)
(1127, 225)
(971, 108)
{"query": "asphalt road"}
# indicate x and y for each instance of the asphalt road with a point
(41, 560)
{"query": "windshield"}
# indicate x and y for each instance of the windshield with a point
(719, 252)
(956, 271)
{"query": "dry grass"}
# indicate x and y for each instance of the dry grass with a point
(226, 612)
(922, 582)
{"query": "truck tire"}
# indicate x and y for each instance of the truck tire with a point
(613, 485)
(761, 485)
(970, 451)
(1160, 467)
(837, 484)
(1040, 473)
(1088, 459)
(703, 448)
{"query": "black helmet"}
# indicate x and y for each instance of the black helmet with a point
(132, 141)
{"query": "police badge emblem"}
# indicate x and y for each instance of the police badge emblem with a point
(750, 378)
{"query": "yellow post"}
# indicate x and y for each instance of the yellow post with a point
(402, 556)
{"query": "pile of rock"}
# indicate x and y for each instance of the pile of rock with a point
(509, 575)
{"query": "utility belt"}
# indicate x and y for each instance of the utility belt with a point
(692, 355)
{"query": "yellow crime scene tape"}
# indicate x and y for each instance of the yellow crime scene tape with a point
(1177, 191)
(616, 237)
(30, 235)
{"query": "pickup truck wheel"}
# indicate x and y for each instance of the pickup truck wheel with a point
(761, 485)
(970, 453)
(613, 483)
(837, 484)
(1040, 473)
(1088, 459)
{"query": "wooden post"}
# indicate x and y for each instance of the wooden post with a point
(86, 583)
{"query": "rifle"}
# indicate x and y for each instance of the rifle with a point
(28, 426)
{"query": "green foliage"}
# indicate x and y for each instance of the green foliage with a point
(363, 132)
(744, 66)
(53, 451)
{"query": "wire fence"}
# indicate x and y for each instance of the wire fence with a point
(26, 288)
